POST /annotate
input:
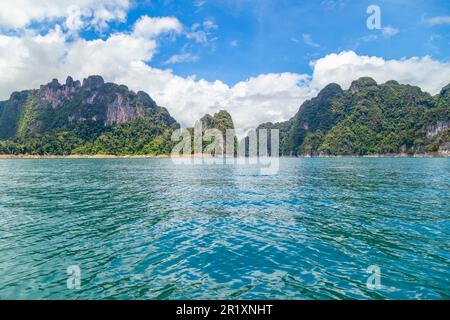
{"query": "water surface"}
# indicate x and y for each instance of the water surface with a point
(149, 229)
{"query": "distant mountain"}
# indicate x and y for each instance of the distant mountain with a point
(92, 117)
(222, 121)
(105, 118)
(368, 119)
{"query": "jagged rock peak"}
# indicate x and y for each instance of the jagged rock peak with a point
(221, 120)
(71, 83)
(363, 82)
(146, 99)
(207, 121)
(54, 84)
(93, 82)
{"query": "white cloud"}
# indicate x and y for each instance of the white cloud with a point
(250, 102)
(208, 24)
(438, 20)
(332, 4)
(29, 59)
(198, 36)
(152, 27)
(307, 39)
(386, 33)
(75, 18)
(182, 57)
(201, 32)
(234, 43)
(37, 59)
(276, 96)
(342, 68)
(199, 3)
(97, 13)
(389, 31)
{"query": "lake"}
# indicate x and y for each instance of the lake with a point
(150, 229)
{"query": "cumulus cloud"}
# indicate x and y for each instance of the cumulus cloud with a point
(20, 13)
(32, 59)
(152, 27)
(28, 59)
(268, 97)
(37, 59)
(342, 68)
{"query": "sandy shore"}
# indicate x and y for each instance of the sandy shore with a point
(388, 155)
(97, 156)
(109, 156)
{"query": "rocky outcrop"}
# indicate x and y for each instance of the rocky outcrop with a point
(444, 150)
(121, 111)
(437, 128)
(55, 106)
(56, 94)
(221, 120)
(93, 83)
(363, 82)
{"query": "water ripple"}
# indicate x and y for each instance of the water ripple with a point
(145, 228)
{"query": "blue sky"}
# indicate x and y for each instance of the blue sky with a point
(261, 36)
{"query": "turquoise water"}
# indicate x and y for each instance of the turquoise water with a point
(146, 228)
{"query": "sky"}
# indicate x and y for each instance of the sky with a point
(258, 59)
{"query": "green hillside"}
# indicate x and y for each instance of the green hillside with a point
(368, 119)
(89, 118)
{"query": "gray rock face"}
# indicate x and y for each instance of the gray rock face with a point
(119, 104)
(121, 111)
(445, 149)
(93, 82)
(55, 106)
(437, 128)
(145, 99)
(56, 94)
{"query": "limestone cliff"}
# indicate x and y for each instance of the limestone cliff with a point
(56, 106)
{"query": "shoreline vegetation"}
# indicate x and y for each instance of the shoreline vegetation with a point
(168, 156)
